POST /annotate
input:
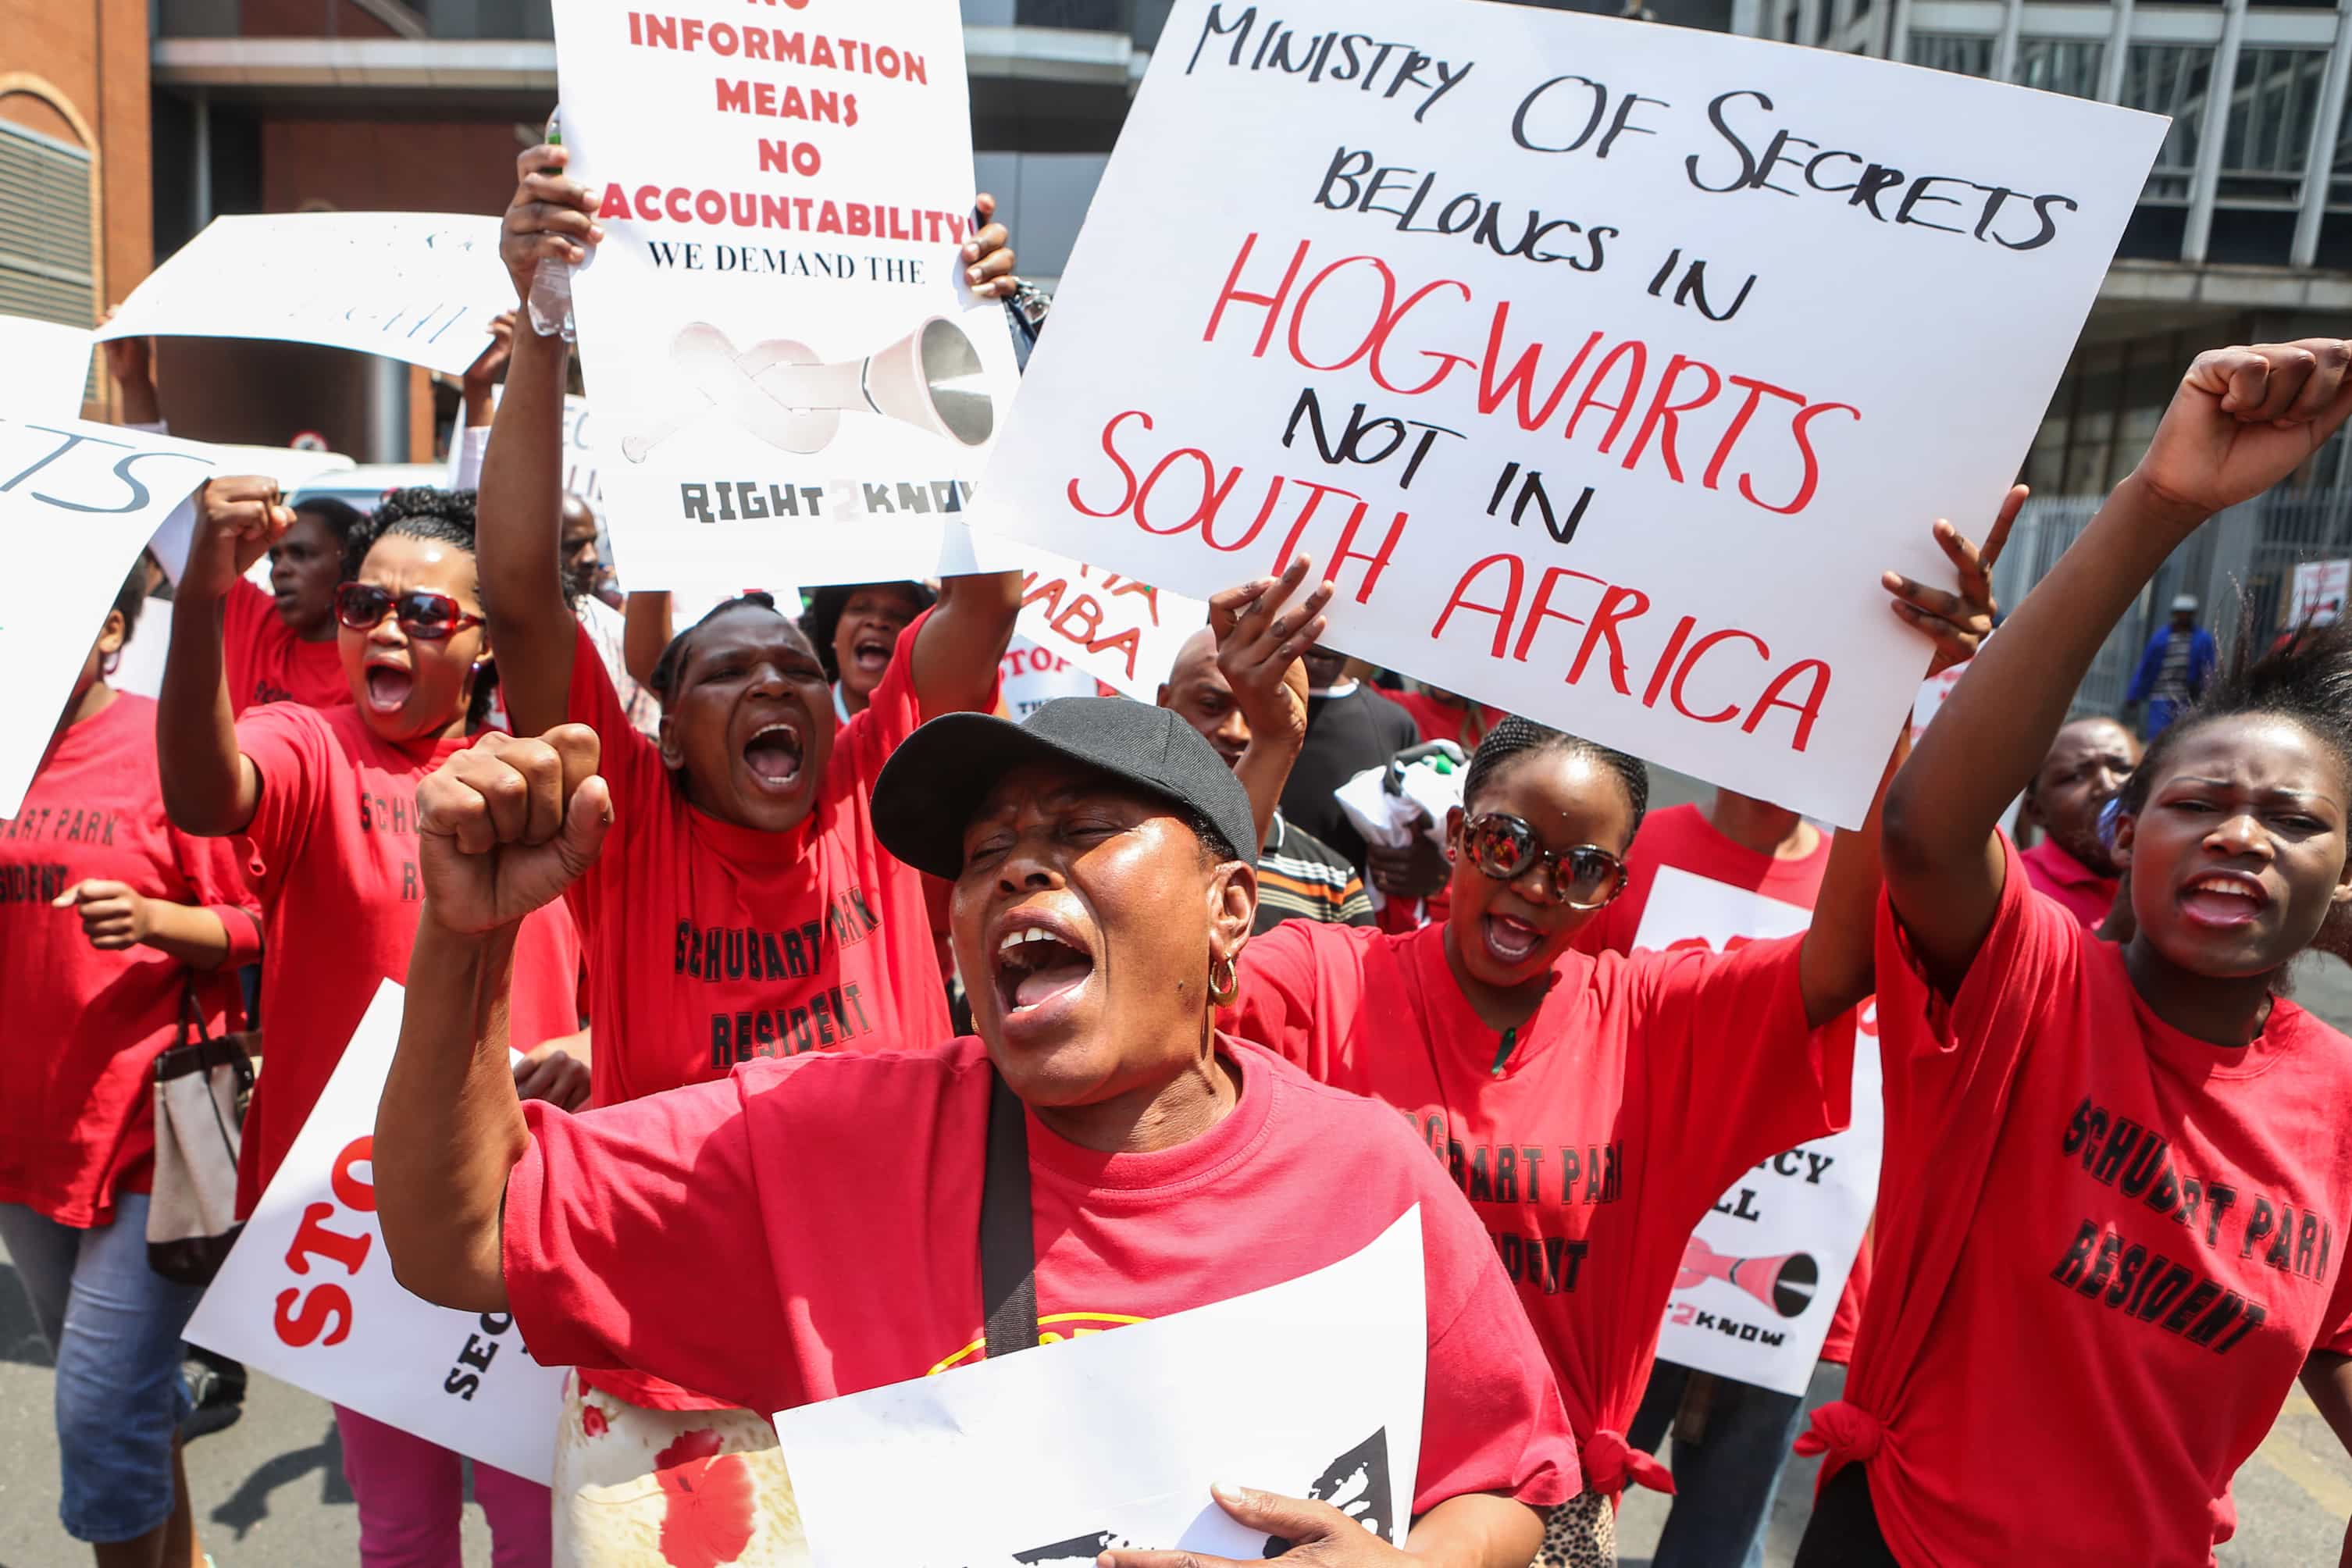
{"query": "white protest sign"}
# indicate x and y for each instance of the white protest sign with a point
(307, 1296)
(80, 501)
(1762, 1274)
(790, 372)
(2319, 588)
(418, 287)
(1587, 356)
(1031, 675)
(1122, 632)
(47, 366)
(1113, 1439)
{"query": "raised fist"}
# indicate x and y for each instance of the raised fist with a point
(238, 518)
(505, 825)
(2243, 420)
(551, 216)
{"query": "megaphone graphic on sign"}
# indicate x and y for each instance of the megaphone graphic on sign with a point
(1785, 1283)
(931, 379)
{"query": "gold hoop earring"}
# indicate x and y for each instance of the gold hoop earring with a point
(1222, 992)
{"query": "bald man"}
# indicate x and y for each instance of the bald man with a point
(2085, 768)
(1299, 877)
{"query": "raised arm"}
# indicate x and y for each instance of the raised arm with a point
(2242, 419)
(1837, 964)
(519, 507)
(502, 829)
(964, 642)
(1261, 634)
(209, 786)
(646, 630)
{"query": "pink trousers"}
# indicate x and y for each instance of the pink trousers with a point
(409, 1492)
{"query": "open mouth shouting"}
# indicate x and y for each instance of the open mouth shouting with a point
(2223, 900)
(772, 756)
(1509, 941)
(871, 653)
(1040, 965)
(388, 686)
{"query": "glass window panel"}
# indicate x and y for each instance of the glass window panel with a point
(2170, 78)
(1965, 53)
(2272, 105)
(2061, 65)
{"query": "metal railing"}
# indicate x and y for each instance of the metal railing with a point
(2244, 560)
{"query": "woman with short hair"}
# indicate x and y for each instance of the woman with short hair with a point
(1103, 891)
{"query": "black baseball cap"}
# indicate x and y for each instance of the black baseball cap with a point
(938, 775)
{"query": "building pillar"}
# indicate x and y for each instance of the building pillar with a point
(2111, 69)
(200, 154)
(387, 411)
(2221, 87)
(2004, 48)
(1898, 32)
(2319, 163)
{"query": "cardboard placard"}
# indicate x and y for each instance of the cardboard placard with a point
(1604, 365)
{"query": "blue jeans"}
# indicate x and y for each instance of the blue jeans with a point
(114, 1325)
(1723, 1482)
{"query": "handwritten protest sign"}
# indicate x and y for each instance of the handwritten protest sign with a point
(48, 364)
(1114, 1440)
(418, 287)
(307, 1296)
(81, 499)
(1762, 1275)
(1604, 365)
(788, 367)
(1120, 631)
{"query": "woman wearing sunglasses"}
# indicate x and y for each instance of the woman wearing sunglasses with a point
(325, 802)
(1591, 1109)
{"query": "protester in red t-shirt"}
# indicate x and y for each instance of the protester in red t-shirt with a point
(745, 908)
(324, 804)
(1592, 1109)
(2087, 766)
(1103, 889)
(163, 922)
(2108, 1224)
(278, 647)
(1726, 1474)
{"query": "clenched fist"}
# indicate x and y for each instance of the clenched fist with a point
(505, 825)
(2243, 419)
(238, 518)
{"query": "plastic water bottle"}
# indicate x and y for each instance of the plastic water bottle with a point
(550, 286)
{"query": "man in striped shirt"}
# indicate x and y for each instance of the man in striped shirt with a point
(1299, 877)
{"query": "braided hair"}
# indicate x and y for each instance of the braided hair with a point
(1515, 737)
(439, 517)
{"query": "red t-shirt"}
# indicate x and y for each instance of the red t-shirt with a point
(2104, 1251)
(264, 662)
(77, 1115)
(712, 944)
(332, 849)
(1626, 1105)
(1438, 720)
(2078, 889)
(1681, 835)
(783, 1177)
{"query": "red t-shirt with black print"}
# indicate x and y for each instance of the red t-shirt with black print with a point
(263, 662)
(2104, 1251)
(77, 1113)
(1592, 1141)
(790, 1171)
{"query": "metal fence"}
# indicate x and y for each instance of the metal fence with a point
(2242, 562)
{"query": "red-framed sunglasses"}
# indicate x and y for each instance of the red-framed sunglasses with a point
(1506, 849)
(431, 618)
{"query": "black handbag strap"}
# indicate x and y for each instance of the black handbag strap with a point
(1008, 1246)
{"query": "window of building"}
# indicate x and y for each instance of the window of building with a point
(2170, 78)
(1966, 54)
(2269, 138)
(46, 246)
(2070, 66)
